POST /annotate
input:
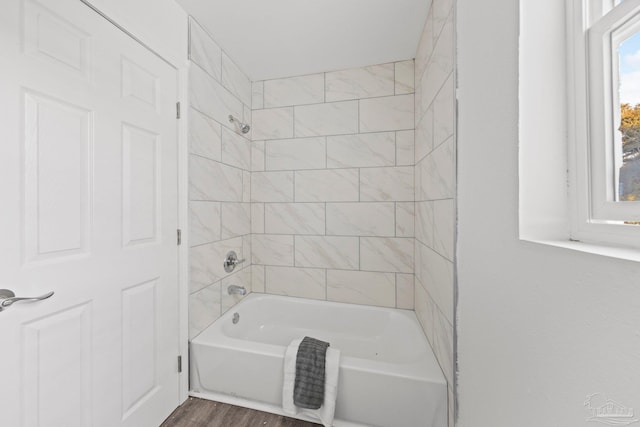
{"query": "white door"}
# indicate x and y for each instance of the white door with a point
(88, 209)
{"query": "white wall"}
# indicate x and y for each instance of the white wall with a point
(332, 185)
(539, 328)
(160, 24)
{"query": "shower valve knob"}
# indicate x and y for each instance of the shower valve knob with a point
(231, 261)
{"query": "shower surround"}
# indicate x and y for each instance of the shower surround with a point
(332, 185)
(346, 188)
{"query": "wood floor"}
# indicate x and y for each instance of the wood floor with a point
(206, 413)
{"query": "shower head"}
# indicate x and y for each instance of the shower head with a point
(244, 128)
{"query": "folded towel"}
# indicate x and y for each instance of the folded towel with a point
(332, 367)
(308, 390)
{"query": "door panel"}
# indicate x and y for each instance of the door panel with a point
(57, 172)
(88, 180)
(57, 369)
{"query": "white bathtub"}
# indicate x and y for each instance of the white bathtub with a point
(388, 373)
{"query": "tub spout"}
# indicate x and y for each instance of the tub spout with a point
(236, 290)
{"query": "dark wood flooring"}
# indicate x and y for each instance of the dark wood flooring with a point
(206, 413)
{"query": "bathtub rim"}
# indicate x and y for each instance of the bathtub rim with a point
(430, 371)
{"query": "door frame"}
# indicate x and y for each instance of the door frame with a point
(183, 188)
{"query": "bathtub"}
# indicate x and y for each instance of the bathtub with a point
(388, 373)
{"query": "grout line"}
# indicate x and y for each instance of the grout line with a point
(329, 102)
(325, 88)
(395, 218)
(326, 284)
(359, 253)
(359, 185)
(325, 218)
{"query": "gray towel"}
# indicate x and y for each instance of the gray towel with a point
(308, 389)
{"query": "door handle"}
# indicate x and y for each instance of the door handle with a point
(8, 297)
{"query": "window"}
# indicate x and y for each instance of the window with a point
(604, 85)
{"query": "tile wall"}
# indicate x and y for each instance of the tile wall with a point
(435, 148)
(332, 185)
(219, 179)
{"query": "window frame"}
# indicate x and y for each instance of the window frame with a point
(591, 79)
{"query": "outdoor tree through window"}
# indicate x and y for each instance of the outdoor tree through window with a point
(628, 162)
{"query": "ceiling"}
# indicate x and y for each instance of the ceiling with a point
(281, 38)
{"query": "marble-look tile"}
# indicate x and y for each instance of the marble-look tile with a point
(423, 172)
(258, 278)
(206, 262)
(443, 113)
(387, 113)
(272, 249)
(294, 91)
(404, 77)
(211, 98)
(443, 344)
(405, 219)
(361, 219)
(236, 219)
(272, 186)
(246, 186)
(204, 51)
(294, 218)
(405, 150)
(425, 48)
(441, 10)
(239, 278)
(236, 150)
(204, 222)
(334, 118)
(235, 80)
(361, 150)
(296, 282)
(386, 184)
(246, 249)
(404, 291)
(417, 181)
(335, 185)
(451, 400)
(362, 287)
(257, 218)
(204, 136)
(390, 254)
(437, 277)
(417, 104)
(424, 222)
(443, 227)
(272, 123)
(257, 95)
(204, 309)
(257, 156)
(326, 252)
(417, 259)
(214, 181)
(439, 180)
(363, 82)
(424, 135)
(424, 308)
(297, 153)
(441, 63)
(247, 117)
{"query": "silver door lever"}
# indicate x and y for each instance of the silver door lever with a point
(8, 297)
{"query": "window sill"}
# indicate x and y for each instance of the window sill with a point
(611, 251)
